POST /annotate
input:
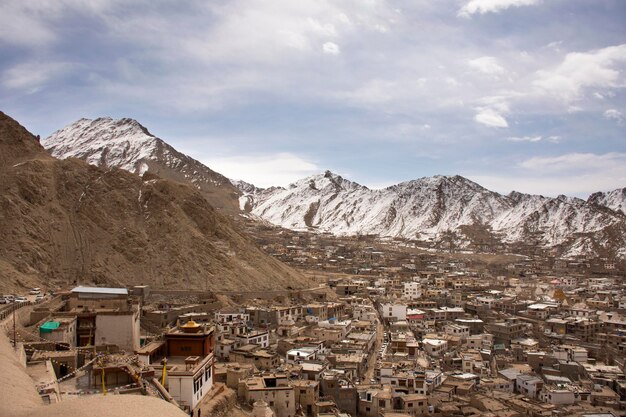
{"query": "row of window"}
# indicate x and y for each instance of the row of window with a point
(197, 383)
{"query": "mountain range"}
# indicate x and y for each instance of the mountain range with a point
(438, 209)
(66, 222)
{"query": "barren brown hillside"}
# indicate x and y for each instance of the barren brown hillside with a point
(66, 222)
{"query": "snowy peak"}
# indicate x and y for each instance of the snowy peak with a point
(449, 185)
(105, 142)
(245, 187)
(328, 181)
(127, 144)
(615, 200)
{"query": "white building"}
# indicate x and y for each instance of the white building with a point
(528, 385)
(557, 396)
(189, 383)
(302, 354)
(479, 341)
(457, 330)
(255, 337)
(393, 311)
(435, 347)
(412, 291)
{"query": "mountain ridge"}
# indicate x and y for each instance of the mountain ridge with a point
(429, 208)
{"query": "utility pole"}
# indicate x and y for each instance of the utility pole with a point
(14, 338)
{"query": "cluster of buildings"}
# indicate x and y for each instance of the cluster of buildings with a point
(371, 255)
(91, 341)
(429, 337)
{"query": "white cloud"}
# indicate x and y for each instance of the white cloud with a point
(576, 185)
(525, 139)
(31, 76)
(614, 114)
(577, 174)
(581, 70)
(487, 65)
(268, 170)
(12, 30)
(331, 48)
(577, 162)
(555, 45)
(490, 117)
(375, 91)
(554, 139)
(30, 23)
(491, 6)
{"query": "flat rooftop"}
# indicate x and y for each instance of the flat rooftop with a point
(100, 290)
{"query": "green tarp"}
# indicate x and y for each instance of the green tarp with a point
(49, 326)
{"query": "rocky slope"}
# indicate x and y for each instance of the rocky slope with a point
(615, 200)
(434, 208)
(65, 222)
(128, 145)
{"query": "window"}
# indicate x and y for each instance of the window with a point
(197, 384)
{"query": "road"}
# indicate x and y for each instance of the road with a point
(371, 365)
(380, 332)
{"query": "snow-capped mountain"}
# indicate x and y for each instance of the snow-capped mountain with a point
(414, 209)
(437, 209)
(128, 145)
(615, 200)
(433, 207)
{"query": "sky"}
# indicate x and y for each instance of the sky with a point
(525, 95)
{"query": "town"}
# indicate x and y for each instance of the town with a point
(389, 330)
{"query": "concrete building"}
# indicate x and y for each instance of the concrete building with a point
(558, 396)
(528, 385)
(303, 354)
(105, 316)
(274, 389)
(457, 330)
(60, 329)
(393, 311)
(435, 347)
(262, 359)
(412, 290)
(307, 395)
(189, 379)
